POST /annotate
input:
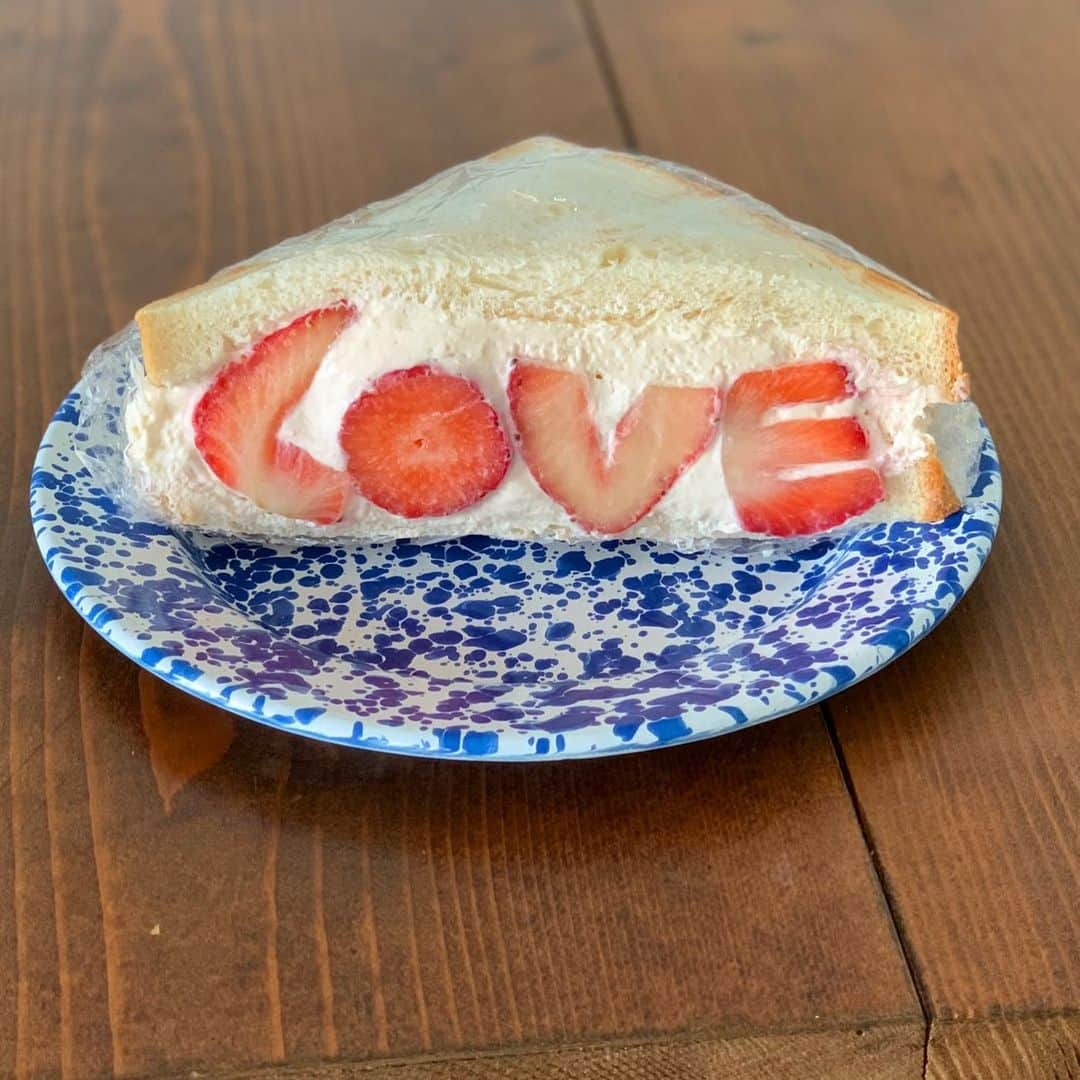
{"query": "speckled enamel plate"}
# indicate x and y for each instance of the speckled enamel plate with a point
(489, 649)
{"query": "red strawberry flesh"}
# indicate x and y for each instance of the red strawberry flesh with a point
(658, 438)
(423, 443)
(238, 418)
(759, 455)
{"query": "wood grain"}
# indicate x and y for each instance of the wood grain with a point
(888, 1052)
(1003, 1048)
(942, 140)
(259, 901)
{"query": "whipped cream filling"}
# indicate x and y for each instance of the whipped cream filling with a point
(390, 333)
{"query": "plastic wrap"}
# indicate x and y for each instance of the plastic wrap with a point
(104, 391)
(466, 196)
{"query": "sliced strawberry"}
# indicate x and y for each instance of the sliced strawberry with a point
(662, 433)
(790, 444)
(237, 421)
(423, 443)
(758, 455)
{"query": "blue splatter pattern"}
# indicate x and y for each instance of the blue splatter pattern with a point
(485, 648)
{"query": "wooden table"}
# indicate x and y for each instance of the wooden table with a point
(886, 887)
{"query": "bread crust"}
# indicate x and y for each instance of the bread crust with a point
(939, 500)
(922, 492)
(186, 335)
(955, 384)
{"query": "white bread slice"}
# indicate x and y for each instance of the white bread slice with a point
(545, 231)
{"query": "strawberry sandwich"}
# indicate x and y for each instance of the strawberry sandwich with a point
(551, 342)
